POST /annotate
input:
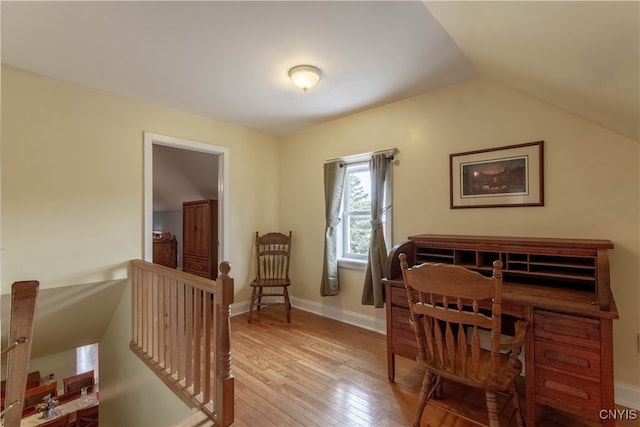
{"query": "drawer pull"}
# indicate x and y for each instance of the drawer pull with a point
(567, 389)
(564, 330)
(566, 358)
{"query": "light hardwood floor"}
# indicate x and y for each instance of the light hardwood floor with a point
(321, 372)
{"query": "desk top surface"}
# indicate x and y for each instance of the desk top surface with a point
(510, 240)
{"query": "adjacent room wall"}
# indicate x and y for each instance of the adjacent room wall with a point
(591, 187)
(61, 365)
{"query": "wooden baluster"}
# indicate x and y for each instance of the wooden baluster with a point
(224, 393)
(181, 331)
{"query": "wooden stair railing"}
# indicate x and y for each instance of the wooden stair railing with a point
(181, 331)
(23, 305)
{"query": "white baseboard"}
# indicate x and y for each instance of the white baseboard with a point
(366, 322)
(626, 395)
(350, 317)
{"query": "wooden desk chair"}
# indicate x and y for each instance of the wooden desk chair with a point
(443, 301)
(76, 382)
(72, 395)
(61, 421)
(34, 396)
(33, 380)
(273, 251)
(88, 417)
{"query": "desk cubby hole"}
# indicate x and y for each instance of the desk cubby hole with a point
(581, 270)
(465, 258)
(564, 261)
(486, 259)
(517, 262)
(445, 256)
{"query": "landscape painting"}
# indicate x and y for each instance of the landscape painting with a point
(498, 177)
(491, 178)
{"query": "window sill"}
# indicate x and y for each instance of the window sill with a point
(352, 264)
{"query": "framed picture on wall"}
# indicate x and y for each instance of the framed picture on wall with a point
(498, 177)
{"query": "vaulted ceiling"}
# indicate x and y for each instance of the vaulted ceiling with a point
(229, 60)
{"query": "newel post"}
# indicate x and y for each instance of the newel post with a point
(224, 395)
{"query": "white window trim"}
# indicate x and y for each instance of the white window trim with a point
(352, 264)
(347, 262)
(357, 264)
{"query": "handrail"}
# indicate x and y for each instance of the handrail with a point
(21, 340)
(23, 304)
(181, 330)
(5, 410)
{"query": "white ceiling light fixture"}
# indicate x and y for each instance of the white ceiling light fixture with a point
(304, 76)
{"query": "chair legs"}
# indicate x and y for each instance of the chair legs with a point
(287, 304)
(428, 388)
(492, 407)
(516, 404)
(256, 301)
(253, 298)
(259, 297)
(431, 387)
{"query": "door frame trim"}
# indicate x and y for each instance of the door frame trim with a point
(223, 183)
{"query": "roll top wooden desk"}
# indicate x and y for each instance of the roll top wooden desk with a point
(560, 286)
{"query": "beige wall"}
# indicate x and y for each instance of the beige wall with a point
(591, 187)
(72, 192)
(72, 207)
(72, 182)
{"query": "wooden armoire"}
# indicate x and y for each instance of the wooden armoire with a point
(200, 238)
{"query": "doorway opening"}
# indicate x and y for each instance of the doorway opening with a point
(158, 152)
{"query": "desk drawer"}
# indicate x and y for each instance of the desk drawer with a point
(400, 324)
(567, 359)
(400, 319)
(569, 392)
(399, 297)
(566, 329)
(404, 338)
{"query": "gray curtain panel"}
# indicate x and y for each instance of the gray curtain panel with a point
(333, 188)
(372, 293)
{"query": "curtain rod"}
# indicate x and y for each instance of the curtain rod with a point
(357, 158)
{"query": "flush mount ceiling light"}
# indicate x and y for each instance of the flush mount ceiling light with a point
(304, 76)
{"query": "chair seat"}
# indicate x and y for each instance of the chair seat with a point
(507, 374)
(271, 294)
(266, 283)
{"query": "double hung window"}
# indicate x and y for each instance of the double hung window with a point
(354, 232)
